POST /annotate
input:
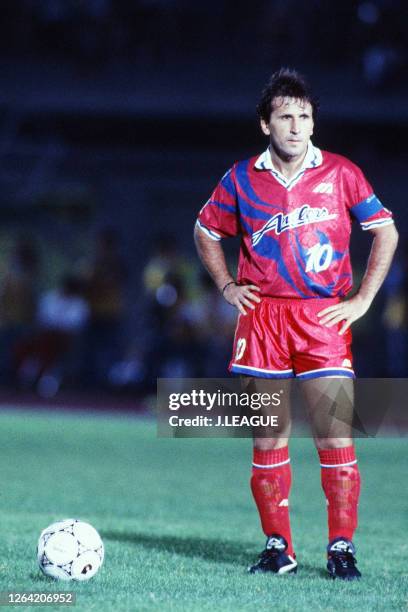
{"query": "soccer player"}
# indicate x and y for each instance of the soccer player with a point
(293, 207)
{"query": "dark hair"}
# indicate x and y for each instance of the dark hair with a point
(285, 83)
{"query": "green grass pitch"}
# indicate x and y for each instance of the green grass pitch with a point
(178, 522)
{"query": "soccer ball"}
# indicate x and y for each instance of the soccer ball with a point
(70, 550)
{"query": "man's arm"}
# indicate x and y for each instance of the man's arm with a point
(382, 251)
(213, 258)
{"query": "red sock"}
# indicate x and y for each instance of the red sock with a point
(270, 484)
(341, 485)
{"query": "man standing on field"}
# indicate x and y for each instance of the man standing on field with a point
(293, 206)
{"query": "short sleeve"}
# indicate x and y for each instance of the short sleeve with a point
(219, 217)
(363, 204)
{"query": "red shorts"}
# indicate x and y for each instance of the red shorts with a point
(283, 338)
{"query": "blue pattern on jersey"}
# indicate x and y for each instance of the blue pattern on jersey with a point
(270, 248)
(228, 183)
(323, 290)
(246, 226)
(365, 209)
(251, 212)
(323, 239)
(243, 181)
(227, 207)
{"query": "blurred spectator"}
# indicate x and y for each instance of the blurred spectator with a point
(53, 353)
(191, 325)
(105, 277)
(17, 303)
(63, 309)
(166, 260)
(167, 273)
(174, 348)
(213, 321)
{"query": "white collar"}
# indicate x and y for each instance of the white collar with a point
(313, 158)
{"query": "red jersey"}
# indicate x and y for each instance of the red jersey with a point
(295, 232)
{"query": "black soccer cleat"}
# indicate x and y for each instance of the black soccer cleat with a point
(274, 559)
(341, 560)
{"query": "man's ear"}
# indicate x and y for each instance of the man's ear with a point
(265, 127)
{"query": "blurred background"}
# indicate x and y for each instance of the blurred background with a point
(117, 119)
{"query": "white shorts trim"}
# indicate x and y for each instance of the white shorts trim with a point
(238, 365)
(331, 369)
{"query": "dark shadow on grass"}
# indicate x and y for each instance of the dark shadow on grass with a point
(237, 553)
(312, 571)
(42, 579)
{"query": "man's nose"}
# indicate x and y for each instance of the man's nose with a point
(294, 128)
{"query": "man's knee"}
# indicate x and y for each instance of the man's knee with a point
(327, 443)
(265, 444)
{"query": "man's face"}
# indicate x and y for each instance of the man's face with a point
(290, 127)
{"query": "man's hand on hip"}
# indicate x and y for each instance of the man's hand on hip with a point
(348, 312)
(242, 295)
